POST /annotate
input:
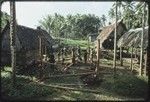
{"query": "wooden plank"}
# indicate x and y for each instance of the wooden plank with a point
(67, 67)
(62, 84)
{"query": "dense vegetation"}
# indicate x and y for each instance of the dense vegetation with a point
(72, 26)
(127, 85)
(130, 12)
(79, 26)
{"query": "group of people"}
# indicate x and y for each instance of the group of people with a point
(77, 54)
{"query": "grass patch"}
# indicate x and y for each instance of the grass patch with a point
(82, 43)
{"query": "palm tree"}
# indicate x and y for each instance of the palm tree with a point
(128, 12)
(103, 19)
(115, 40)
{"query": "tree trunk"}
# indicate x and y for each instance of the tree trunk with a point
(135, 55)
(141, 54)
(148, 56)
(0, 35)
(98, 55)
(145, 69)
(121, 60)
(131, 64)
(13, 40)
(115, 41)
(40, 48)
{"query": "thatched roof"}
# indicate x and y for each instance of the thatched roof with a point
(133, 38)
(28, 38)
(6, 39)
(107, 31)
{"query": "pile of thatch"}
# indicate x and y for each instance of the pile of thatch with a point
(132, 38)
(26, 38)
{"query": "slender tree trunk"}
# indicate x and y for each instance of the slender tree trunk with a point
(40, 48)
(131, 64)
(115, 41)
(13, 40)
(148, 60)
(145, 69)
(0, 33)
(0, 41)
(98, 55)
(121, 60)
(135, 53)
(45, 50)
(141, 54)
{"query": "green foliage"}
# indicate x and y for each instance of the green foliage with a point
(82, 43)
(24, 88)
(71, 26)
(131, 12)
(4, 19)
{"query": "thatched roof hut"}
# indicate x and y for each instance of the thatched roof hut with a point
(27, 39)
(132, 38)
(106, 35)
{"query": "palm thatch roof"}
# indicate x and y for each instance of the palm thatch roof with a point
(133, 38)
(26, 37)
(107, 33)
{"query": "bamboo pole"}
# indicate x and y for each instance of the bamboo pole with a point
(98, 55)
(131, 64)
(121, 60)
(142, 37)
(145, 69)
(115, 40)
(13, 40)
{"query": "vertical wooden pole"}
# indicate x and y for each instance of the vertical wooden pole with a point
(13, 40)
(121, 61)
(142, 36)
(0, 41)
(88, 52)
(148, 59)
(40, 47)
(145, 69)
(98, 55)
(115, 40)
(73, 56)
(45, 50)
(131, 64)
(0, 33)
(135, 53)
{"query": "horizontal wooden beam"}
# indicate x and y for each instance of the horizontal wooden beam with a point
(79, 74)
(69, 88)
(69, 75)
